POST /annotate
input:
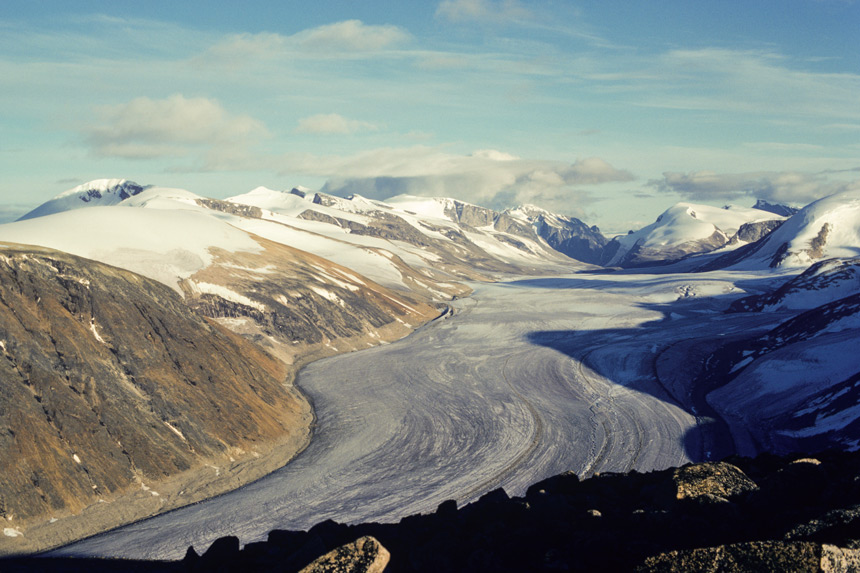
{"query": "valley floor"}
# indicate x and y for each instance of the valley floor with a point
(527, 379)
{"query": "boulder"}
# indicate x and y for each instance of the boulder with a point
(711, 479)
(364, 555)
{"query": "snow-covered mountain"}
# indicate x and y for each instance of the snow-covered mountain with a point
(782, 210)
(827, 228)
(444, 238)
(682, 230)
(567, 235)
(290, 301)
(99, 192)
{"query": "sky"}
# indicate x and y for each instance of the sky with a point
(604, 110)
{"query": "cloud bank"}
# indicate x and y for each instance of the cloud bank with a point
(487, 177)
(782, 187)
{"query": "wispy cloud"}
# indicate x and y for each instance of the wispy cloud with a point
(784, 187)
(744, 81)
(176, 126)
(333, 124)
(482, 10)
(351, 35)
(350, 38)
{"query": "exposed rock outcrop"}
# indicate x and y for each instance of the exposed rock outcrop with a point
(752, 232)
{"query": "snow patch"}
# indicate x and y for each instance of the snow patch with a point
(96, 332)
(175, 430)
(328, 295)
(227, 294)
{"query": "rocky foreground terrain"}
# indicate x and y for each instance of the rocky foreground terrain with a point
(794, 513)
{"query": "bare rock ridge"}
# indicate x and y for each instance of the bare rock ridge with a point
(770, 513)
(110, 383)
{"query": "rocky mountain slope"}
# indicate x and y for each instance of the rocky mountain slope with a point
(109, 385)
(797, 513)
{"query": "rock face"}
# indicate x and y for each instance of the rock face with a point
(752, 232)
(108, 381)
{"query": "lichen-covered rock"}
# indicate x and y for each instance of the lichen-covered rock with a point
(364, 555)
(711, 479)
(756, 556)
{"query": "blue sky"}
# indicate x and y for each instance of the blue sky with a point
(609, 111)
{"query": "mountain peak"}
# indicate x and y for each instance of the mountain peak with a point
(95, 192)
(776, 208)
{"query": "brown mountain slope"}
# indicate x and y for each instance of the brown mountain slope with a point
(110, 383)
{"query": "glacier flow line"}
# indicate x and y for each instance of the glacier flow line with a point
(494, 481)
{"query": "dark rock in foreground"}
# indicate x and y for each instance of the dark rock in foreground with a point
(794, 513)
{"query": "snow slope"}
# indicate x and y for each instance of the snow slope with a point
(165, 245)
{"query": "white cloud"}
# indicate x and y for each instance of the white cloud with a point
(332, 124)
(782, 187)
(175, 126)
